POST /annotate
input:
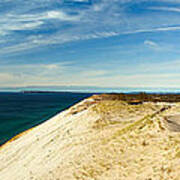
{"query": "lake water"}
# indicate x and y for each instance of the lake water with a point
(21, 111)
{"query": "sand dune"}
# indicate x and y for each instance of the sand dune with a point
(99, 139)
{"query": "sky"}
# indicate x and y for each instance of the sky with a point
(104, 43)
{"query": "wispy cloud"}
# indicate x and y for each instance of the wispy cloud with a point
(79, 0)
(20, 26)
(101, 19)
(152, 45)
(144, 75)
(58, 38)
(60, 15)
(128, 33)
(171, 9)
(174, 28)
(52, 14)
(93, 73)
(166, 67)
(28, 73)
(12, 22)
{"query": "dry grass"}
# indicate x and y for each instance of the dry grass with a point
(140, 150)
(114, 112)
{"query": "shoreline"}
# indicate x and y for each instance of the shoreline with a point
(20, 112)
(119, 96)
(28, 130)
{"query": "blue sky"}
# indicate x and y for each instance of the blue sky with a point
(117, 43)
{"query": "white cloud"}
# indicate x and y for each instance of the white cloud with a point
(136, 80)
(174, 28)
(36, 41)
(100, 20)
(11, 22)
(58, 38)
(93, 73)
(24, 26)
(165, 67)
(150, 43)
(171, 1)
(53, 14)
(32, 74)
(154, 45)
(171, 9)
(80, 0)
(35, 69)
(52, 66)
(164, 74)
(60, 15)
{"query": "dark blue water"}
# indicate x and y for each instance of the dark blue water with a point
(21, 111)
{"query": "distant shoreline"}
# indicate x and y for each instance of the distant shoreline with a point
(95, 92)
(90, 89)
(117, 93)
(26, 92)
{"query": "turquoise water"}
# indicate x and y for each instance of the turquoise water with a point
(19, 111)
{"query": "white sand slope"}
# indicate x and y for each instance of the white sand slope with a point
(97, 140)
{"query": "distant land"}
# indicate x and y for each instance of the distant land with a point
(50, 92)
(93, 89)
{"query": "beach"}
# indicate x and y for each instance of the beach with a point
(102, 137)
